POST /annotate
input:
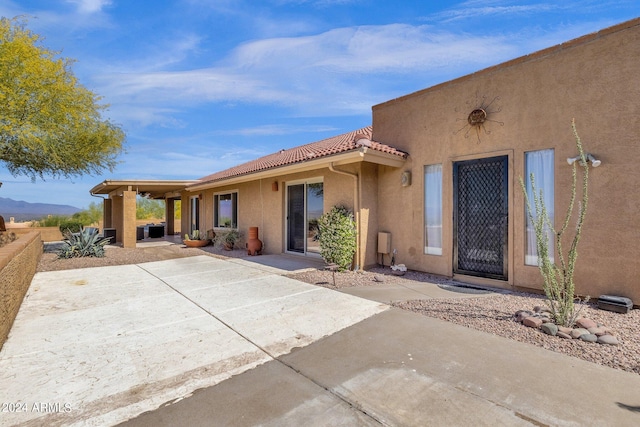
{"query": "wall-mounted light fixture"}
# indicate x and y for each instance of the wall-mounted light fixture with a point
(406, 178)
(594, 162)
(274, 186)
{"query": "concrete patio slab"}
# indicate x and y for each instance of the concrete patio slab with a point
(404, 369)
(227, 275)
(118, 341)
(272, 394)
(399, 368)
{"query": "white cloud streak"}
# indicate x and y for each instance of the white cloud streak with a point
(90, 6)
(327, 73)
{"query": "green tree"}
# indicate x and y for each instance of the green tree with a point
(90, 215)
(49, 123)
(149, 208)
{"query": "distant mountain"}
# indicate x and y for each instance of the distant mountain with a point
(25, 211)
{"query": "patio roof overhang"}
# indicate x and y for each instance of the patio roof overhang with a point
(363, 154)
(155, 189)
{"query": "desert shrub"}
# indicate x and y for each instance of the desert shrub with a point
(52, 221)
(70, 226)
(337, 237)
(227, 238)
(83, 244)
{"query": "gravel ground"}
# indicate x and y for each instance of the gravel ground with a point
(491, 313)
(116, 255)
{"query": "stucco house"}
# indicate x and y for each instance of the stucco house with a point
(439, 171)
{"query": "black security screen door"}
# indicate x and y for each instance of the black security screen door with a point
(295, 218)
(481, 212)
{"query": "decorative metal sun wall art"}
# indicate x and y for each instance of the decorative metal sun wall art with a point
(481, 113)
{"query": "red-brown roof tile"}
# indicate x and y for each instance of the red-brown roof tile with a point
(315, 150)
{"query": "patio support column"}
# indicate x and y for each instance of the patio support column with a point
(117, 220)
(184, 214)
(129, 219)
(107, 215)
(169, 216)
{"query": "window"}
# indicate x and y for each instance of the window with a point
(540, 164)
(225, 210)
(433, 210)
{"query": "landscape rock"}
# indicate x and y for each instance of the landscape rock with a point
(549, 328)
(585, 323)
(532, 322)
(537, 309)
(522, 314)
(565, 330)
(608, 339)
(563, 335)
(576, 333)
(589, 337)
(598, 331)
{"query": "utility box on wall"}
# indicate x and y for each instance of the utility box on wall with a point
(384, 242)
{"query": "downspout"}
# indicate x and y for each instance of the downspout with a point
(356, 207)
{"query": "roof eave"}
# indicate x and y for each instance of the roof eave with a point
(158, 187)
(363, 154)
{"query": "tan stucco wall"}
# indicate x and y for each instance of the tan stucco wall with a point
(259, 205)
(128, 237)
(592, 79)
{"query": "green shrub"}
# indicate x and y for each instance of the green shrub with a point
(337, 237)
(52, 221)
(70, 226)
(82, 244)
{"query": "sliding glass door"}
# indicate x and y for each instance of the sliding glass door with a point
(305, 204)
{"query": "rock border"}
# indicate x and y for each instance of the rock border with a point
(585, 329)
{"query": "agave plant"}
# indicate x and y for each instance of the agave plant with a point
(82, 244)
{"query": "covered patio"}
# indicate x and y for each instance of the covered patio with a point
(119, 205)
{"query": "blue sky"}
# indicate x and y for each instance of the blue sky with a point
(202, 85)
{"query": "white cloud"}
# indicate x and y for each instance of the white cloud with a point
(272, 130)
(327, 73)
(90, 6)
(476, 8)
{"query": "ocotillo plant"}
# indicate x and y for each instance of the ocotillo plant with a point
(558, 277)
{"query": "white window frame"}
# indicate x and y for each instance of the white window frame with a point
(433, 204)
(543, 169)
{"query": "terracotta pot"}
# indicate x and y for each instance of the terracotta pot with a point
(195, 243)
(254, 245)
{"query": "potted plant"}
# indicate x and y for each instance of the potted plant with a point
(228, 239)
(195, 239)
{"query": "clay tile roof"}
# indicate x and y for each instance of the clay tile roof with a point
(326, 147)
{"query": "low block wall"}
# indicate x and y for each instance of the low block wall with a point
(18, 262)
(47, 234)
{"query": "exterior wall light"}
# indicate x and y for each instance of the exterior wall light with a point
(594, 162)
